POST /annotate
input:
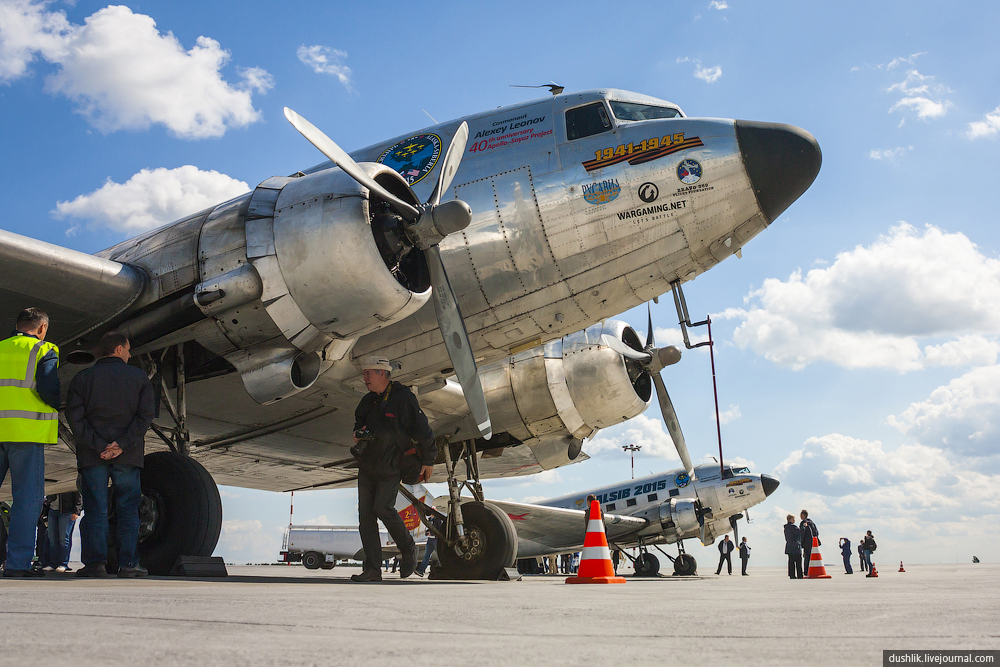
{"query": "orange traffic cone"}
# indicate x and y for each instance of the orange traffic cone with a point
(874, 571)
(901, 566)
(817, 570)
(595, 563)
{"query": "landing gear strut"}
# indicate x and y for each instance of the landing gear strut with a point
(476, 540)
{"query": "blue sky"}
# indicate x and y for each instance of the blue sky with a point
(857, 338)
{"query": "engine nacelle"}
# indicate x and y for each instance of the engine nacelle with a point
(572, 386)
(679, 517)
(312, 240)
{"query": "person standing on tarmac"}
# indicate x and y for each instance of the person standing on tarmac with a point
(109, 408)
(29, 420)
(744, 555)
(387, 420)
(725, 554)
(845, 548)
(793, 548)
(808, 532)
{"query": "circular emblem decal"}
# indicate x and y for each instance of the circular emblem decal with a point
(689, 171)
(413, 158)
(648, 192)
(682, 480)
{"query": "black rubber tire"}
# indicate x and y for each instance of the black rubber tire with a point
(190, 511)
(312, 560)
(492, 549)
(647, 565)
(685, 565)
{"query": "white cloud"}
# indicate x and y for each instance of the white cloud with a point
(151, 198)
(321, 520)
(914, 493)
(647, 432)
(26, 30)
(989, 126)
(324, 60)
(963, 415)
(718, 4)
(730, 415)
(917, 91)
(887, 154)
(706, 74)
(246, 540)
(907, 301)
(122, 73)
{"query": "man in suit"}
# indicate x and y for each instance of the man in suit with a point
(726, 547)
(793, 548)
(845, 548)
(744, 554)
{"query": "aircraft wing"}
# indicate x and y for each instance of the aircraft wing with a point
(546, 530)
(80, 292)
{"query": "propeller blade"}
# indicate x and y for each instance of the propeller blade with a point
(736, 530)
(452, 159)
(623, 349)
(336, 154)
(649, 327)
(673, 426)
(456, 340)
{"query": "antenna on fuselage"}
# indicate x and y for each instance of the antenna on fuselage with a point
(553, 87)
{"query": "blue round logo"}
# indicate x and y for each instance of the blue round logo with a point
(413, 158)
(682, 480)
(689, 171)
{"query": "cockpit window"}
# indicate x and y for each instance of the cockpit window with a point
(636, 111)
(728, 472)
(741, 471)
(587, 120)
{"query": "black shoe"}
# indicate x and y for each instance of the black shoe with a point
(368, 576)
(23, 573)
(409, 563)
(135, 572)
(94, 570)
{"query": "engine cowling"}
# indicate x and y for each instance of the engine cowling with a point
(312, 240)
(570, 387)
(333, 265)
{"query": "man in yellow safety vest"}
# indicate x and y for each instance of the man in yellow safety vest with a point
(29, 420)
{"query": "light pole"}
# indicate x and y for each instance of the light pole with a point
(632, 449)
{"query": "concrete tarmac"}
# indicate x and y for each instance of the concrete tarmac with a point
(291, 616)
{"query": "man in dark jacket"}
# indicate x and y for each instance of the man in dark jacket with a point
(793, 548)
(110, 406)
(725, 554)
(845, 549)
(64, 510)
(386, 422)
(808, 531)
(744, 555)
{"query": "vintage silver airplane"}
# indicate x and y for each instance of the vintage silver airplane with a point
(666, 508)
(540, 219)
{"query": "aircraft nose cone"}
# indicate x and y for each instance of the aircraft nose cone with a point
(781, 160)
(769, 483)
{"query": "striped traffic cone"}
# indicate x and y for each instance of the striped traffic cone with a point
(901, 566)
(816, 568)
(873, 573)
(595, 563)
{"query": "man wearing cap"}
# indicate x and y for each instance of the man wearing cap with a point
(386, 423)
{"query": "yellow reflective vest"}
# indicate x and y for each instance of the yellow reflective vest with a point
(24, 416)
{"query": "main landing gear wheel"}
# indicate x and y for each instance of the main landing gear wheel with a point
(312, 560)
(491, 545)
(182, 512)
(646, 565)
(685, 565)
